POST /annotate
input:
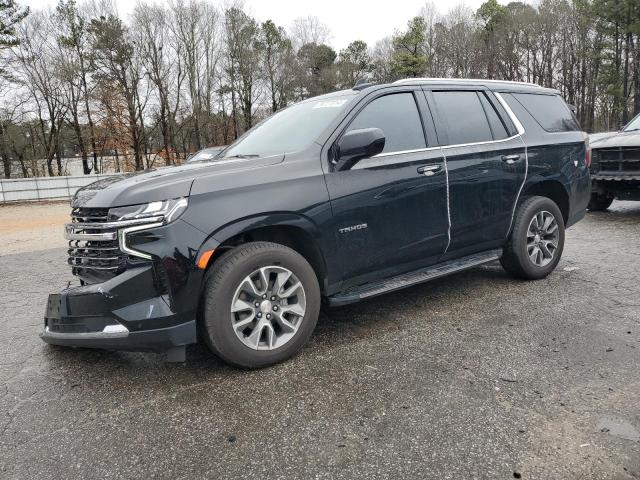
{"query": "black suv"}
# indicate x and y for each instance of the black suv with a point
(337, 199)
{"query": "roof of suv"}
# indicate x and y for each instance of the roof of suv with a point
(500, 85)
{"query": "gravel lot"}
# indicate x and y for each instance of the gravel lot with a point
(29, 227)
(474, 376)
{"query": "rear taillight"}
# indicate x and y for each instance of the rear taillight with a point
(587, 157)
(587, 151)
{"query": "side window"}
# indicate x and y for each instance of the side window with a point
(397, 116)
(495, 123)
(463, 116)
(549, 111)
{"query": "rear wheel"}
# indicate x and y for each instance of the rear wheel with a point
(261, 304)
(599, 202)
(536, 242)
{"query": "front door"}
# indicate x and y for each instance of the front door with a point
(390, 211)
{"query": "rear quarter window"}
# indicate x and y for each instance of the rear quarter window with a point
(550, 111)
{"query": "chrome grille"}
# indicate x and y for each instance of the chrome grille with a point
(94, 253)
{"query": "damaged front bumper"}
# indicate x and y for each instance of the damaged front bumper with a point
(125, 313)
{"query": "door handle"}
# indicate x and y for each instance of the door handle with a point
(429, 170)
(510, 159)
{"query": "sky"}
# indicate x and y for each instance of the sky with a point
(348, 19)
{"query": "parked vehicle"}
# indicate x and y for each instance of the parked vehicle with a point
(615, 171)
(205, 155)
(338, 198)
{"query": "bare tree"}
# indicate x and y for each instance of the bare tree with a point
(305, 30)
(241, 33)
(150, 24)
(278, 61)
(38, 58)
(117, 68)
(73, 39)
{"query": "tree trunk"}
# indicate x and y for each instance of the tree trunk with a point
(6, 159)
(83, 149)
(625, 80)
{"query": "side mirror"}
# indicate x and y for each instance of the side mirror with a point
(356, 145)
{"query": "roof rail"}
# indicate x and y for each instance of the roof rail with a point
(478, 80)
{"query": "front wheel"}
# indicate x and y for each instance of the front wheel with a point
(536, 242)
(261, 304)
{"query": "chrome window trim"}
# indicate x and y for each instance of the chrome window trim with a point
(512, 115)
(402, 152)
(488, 142)
(122, 239)
(371, 162)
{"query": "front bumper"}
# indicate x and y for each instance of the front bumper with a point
(620, 187)
(124, 313)
(151, 340)
(148, 305)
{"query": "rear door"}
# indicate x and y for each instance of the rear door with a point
(486, 160)
(390, 211)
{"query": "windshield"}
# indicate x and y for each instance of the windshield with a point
(633, 125)
(289, 130)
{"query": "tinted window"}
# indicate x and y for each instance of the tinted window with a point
(463, 117)
(504, 116)
(397, 116)
(498, 129)
(549, 111)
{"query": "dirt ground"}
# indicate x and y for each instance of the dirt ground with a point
(31, 227)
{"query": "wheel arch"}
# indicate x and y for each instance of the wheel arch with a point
(552, 189)
(292, 230)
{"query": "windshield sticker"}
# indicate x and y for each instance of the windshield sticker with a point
(330, 103)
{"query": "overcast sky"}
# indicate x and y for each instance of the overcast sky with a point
(348, 19)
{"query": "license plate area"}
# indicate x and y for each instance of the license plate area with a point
(53, 307)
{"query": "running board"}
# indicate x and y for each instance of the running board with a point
(355, 294)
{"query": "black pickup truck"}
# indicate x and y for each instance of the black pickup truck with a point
(334, 199)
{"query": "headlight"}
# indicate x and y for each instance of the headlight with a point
(136, 218)
(165, 211)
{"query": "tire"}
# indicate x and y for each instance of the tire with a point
(599, 202)
(525, 255)
(237, 278)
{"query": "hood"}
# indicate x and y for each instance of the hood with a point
(160, 184)
(615, 139)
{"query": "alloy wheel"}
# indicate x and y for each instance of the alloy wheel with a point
(268, 307)
(542, 238)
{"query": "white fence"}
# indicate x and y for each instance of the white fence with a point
(45, 188)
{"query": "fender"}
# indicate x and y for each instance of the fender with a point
(272, 219)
